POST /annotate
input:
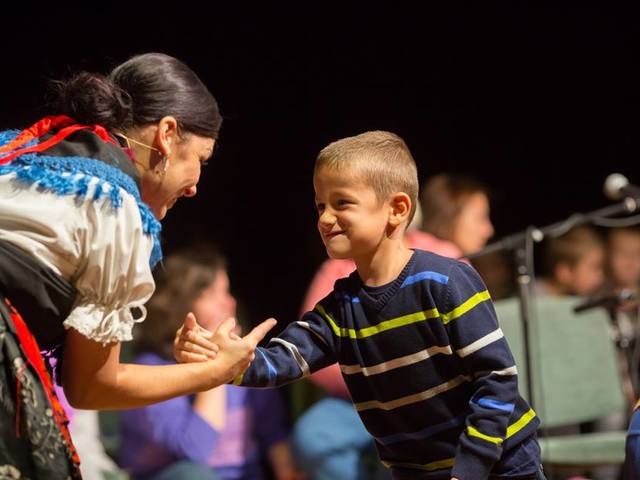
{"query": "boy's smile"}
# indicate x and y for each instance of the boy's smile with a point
(352, 220)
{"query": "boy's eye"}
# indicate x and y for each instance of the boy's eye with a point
(343, 203)
(320, 207)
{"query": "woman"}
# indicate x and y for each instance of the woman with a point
(226, 432)
(81, 196)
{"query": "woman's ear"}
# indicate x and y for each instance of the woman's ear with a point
(166, 135)
(400, 208)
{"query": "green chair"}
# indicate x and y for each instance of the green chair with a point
(575, 377)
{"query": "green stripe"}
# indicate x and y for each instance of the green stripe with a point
(405, 319)
(381, 327)
(439, 464)
(514, 428)
(521, 423)
(473, 432)
(465, 307)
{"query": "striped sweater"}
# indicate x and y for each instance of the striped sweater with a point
(427, 367)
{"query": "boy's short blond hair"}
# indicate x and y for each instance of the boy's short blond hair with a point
(381, 160)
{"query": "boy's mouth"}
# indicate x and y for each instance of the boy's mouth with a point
(329, 236)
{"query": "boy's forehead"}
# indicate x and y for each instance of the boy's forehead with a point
(339, 177)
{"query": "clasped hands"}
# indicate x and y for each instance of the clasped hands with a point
(194, 343)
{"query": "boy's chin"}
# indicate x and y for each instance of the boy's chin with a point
(337, 255)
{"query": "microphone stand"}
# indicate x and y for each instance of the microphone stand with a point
(521, 244)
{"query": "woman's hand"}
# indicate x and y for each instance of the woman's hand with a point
(193, 343)
(235, 353)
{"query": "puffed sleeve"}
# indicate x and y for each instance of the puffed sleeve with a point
(114, 274)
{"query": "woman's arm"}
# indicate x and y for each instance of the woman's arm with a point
(95, 379)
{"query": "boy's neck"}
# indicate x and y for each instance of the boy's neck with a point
(385, 264)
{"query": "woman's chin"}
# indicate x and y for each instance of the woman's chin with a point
(160, 212)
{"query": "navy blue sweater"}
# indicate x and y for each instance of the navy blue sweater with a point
(427, 367)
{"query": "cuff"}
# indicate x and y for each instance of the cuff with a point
(102, 324)
(237, 380)
(470, 466)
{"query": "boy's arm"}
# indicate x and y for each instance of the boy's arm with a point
(302, 348)
(486, 359)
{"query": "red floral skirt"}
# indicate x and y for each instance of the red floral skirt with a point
(34, 438)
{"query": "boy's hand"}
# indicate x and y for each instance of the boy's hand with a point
(192, 342)
(237, 353)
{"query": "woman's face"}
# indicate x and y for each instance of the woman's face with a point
(161, 190)
(472, 228)
(215, 304)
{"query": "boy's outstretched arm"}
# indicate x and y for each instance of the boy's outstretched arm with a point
(302, 348)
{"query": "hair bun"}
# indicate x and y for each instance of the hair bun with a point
(90, 98)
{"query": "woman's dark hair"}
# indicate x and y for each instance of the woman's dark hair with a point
(140, 91)
(179, 282)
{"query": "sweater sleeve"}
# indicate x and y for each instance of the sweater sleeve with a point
(486, 360)
(305, 346)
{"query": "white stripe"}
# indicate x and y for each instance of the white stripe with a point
(480, 343)
(306, 326)
(509, 371)
(416, 397)
(396, 362)
(302, 363)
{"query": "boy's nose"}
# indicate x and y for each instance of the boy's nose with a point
(326, 220)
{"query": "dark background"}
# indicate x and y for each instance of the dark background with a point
(540, 103)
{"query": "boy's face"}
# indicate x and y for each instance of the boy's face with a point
(624, 258)
(351, 220)
(587, 275)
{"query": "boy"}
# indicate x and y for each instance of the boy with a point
(574, 263)
(415, 334)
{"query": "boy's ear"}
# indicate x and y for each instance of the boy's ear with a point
(400, 208)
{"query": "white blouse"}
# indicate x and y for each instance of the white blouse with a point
(100, 249)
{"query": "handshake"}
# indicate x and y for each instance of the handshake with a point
(231, 353)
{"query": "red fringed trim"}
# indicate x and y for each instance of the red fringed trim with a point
(64, 126)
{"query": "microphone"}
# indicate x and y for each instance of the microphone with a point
(608, 300)
(617, 187)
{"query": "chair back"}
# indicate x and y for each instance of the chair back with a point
(574, 362)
